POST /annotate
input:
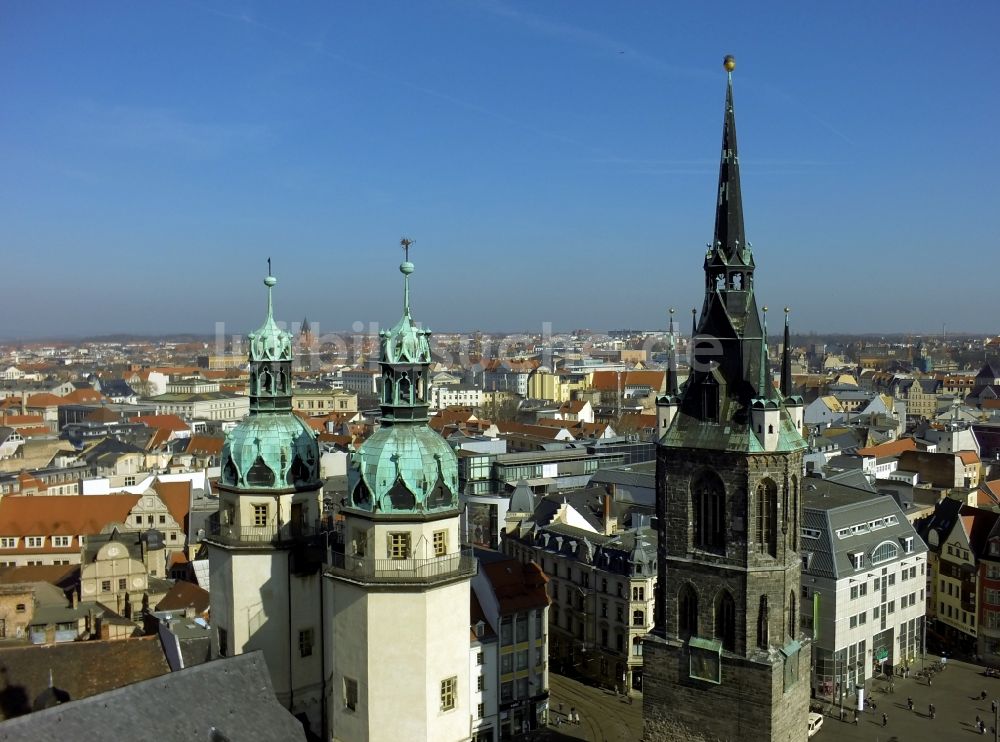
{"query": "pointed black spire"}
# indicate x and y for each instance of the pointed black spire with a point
(305, 326)
(729, 235)
(694, 322)
(786, 362)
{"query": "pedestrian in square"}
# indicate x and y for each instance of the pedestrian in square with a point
(885, 719)
(909, 703)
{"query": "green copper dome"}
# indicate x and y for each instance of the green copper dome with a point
(270, 451)
(405, 467)
(271, 448)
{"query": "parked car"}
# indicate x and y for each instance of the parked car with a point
(815, 723)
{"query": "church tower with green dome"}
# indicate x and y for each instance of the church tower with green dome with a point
(400, 577)
(264, 568)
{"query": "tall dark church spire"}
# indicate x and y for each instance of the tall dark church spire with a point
(729, 233)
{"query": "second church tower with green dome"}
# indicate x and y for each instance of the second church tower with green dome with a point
(402, 581)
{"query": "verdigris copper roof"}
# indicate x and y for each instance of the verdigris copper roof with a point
(405, 467)
(413, 456)
(271, 448)
(270, 342)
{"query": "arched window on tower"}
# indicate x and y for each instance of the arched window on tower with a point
(792, 616)
(762, 622)
(710, 400)
(282, 382)
(404, 389)
(708, 511)
(766, 531)
(687, 612)
(725, 620)
(265, 382)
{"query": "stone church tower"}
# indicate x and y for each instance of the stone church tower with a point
(399, 603)
(726, 659)
(264, 564)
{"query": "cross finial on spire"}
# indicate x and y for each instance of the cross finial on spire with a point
(269, 266)
(405, 243)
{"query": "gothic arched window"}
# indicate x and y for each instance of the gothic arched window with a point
(766, 531)
(725, 620)
(404, 389)
(687, 612)
(265, 382)
(708, 512)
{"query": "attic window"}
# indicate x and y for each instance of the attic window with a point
(858, 558)
(810, 533)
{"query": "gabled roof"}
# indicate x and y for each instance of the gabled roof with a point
(177, 497)
(184, 595)
(968, 457)
(80, 396)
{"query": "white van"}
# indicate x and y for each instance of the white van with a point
(815, 723)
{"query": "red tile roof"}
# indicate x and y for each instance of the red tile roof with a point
(164, 422)
(183, 595)
(43, 400)
(608, 381)
(62, 515)
(205, 445)
(968, 457)
(177, 497)
(82, 396)
(890, 449)
(517, 586)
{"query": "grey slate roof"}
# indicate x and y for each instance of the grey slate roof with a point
(829, 507)
(173, 708)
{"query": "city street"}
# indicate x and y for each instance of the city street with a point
(604, 716)
(955, 691)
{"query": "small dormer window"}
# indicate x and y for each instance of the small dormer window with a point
(858, 558)
(908, 546)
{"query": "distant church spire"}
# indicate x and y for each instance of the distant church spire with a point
(672, 359)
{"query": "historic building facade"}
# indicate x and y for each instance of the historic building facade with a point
(726, 659)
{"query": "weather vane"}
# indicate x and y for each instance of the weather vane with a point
(406, 242)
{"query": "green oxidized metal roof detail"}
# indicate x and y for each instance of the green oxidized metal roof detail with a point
(405, 467)
(405, 342)
(270, 451)
(270, 448)
(270, 342)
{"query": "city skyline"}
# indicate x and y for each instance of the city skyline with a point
(159, 155)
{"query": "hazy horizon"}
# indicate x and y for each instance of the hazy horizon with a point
(554, 161)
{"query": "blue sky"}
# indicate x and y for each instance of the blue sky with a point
(554, 161)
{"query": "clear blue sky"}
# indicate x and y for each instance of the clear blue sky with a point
(554, 161)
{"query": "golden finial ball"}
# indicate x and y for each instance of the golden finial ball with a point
(729, 63)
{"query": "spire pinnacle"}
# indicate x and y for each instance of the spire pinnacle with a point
(786, 362)
(729, 233)
(406, 268)
(270, 281)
